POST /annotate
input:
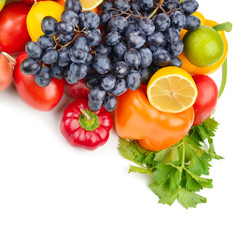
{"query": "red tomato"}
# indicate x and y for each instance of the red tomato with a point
(40, 98)
(13, 29)
(77, 90)
(207, 98)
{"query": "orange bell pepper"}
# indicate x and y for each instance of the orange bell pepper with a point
(136, 119)
(192, 69)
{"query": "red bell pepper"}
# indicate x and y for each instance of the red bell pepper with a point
(83, 128)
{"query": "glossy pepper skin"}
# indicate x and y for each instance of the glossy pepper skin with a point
(82, 132)
(135, 118)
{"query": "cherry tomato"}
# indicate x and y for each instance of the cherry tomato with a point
(207, 98)
(77, 90)
(40, 98)
(13, 29)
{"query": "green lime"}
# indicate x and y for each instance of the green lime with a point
(203, 47)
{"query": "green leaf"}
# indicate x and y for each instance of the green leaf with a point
(172, 157)
(141, 149)
(195, 183)
(189, 199)
(211, 150)
(160, 156)
(149, 160)
(199, 163)
(134, 169)
(167, 176)
(128, 150)
(165, 195)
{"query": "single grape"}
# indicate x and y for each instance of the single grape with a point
(178, 19)
(73, 5)
(95, 106)
(105, 17)
(157, 39)
(192, 23)
(120, 87)
(70, 16)
(172, 35)
(112, 38)
(89, 20)
(120, 69)
(161, 58)
(136, 39)
(170, 5)
(132, 26)
(30, 66)
(175, 49)
(162, 22)
(146, 74)
(46, 42)
(65, 27)
(106, 5)
(78, 70)
(64, 39)
(133, 80)
(110, 103)
(103, 49)
(43, 77)
(108, 82)
(146, 26)
(135, 5)
(97, 94)
(50, 56)
(117, 24)
(94, 37)
(102, 63)
(146, 4)
(176, 62)
(57, 71)
(132, 58)
(92, 80)
(34, 50)
(122, 5)
(188, 6)
(77, 55)
(146, 57)
(69, 77)
(82, 43)
(63, 57)
(119, 50)
(49, 26)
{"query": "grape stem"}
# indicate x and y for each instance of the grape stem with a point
(159, 6)
(126, 13)
(224, 78)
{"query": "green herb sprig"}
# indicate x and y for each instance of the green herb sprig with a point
(180, 171)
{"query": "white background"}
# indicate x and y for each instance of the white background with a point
(51, 191)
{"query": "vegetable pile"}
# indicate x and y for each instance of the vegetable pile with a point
(144, 61)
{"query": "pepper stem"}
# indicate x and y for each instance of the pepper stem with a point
(226, 26)
(86, 115)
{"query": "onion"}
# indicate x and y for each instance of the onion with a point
(6, 70)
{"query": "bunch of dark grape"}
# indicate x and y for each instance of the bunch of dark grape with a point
(141, 36)
(65, 49)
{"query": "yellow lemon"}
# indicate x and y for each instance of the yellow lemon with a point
(171, 89)
(36, 14)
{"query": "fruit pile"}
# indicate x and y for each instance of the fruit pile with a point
(143, 60)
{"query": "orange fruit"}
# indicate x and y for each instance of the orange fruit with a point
(171, 89)
(36, 14)
(87, 4)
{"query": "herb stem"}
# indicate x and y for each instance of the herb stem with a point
(224, 78)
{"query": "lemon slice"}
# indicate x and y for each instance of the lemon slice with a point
(171, 89)
(90, 4)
